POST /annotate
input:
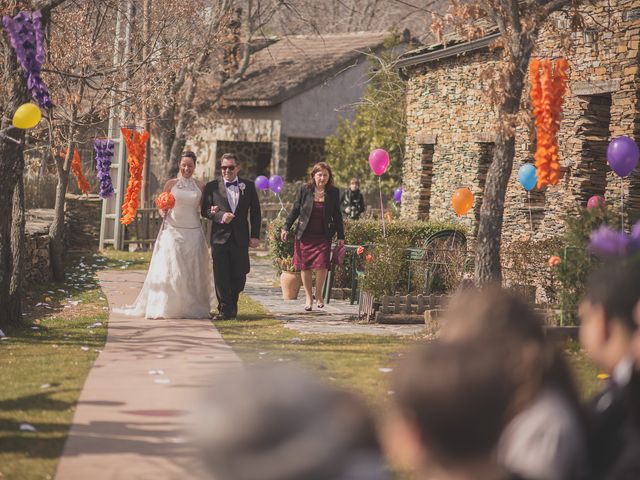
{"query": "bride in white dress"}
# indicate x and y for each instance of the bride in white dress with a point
(179, 282)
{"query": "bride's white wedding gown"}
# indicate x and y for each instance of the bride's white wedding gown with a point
(179, 282)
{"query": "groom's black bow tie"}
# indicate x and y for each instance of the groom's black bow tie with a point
(228, 184)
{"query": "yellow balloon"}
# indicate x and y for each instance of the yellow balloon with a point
(462, 201)
(27, 116)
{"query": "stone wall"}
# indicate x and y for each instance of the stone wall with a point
(255, 157)
(37, 258)
(451, 126)
(82, 222)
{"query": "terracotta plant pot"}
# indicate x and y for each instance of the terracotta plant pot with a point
(290, 282)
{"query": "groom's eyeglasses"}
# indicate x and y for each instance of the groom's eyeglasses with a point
(229, 167)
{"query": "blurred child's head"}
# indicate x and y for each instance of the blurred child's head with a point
(451, 403)
(354, 184)
(280, 423)
(606, 313)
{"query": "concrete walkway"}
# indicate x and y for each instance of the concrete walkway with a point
(133, 416)
(337, 317)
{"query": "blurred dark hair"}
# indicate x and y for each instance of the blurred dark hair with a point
(279, 423)
(188, 154)
(503, 321)
(311, 183)
(457, 394)
(616, 288)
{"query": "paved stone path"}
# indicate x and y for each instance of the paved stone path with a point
(337, 317)
(133, 417)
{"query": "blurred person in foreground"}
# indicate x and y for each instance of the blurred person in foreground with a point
(607, 330)
(280, 423)
(546, 438)
(450, 405)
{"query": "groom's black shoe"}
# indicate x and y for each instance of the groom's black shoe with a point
(222, 316)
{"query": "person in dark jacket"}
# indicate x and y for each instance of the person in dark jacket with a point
(352, 204)
(317, 209)
(607, 328)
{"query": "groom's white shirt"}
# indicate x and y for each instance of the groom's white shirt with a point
(233, 194)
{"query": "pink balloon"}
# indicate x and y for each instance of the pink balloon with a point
(379, 161)
(595, 201)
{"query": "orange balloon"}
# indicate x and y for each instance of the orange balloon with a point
(462, 201)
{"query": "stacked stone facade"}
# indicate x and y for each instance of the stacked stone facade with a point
(451, 127)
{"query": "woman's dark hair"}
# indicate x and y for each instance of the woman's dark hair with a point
(316, 168)
(503, 321)
(188, 154)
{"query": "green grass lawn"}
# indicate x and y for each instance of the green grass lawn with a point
(43, 364)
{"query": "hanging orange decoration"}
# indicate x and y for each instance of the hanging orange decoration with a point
(136, 144)
(548, 86)
(76, 167)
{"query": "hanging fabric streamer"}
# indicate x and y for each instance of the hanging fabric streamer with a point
(27, 40)
(104, 148)
(136, 144)
(76, 168)
(548, 85)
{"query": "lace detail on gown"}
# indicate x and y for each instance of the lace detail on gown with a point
(179, 283)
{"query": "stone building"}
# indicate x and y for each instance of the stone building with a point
(451, 124)
(293, 95)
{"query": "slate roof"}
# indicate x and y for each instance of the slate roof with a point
(455, 45)
(296, 63)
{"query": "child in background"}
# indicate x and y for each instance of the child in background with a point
(353, 201)
(607, 328)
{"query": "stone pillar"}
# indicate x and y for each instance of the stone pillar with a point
(279, 156)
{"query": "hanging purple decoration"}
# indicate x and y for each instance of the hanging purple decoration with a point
(104, 154)
(27, 40)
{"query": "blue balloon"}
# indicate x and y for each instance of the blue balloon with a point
(262, 182)
(528, 176)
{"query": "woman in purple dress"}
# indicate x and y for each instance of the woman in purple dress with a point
(317, 209)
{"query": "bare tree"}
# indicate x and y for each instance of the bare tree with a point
(13, 93)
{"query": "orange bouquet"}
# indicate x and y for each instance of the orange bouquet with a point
(165, 201)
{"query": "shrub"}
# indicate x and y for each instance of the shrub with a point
(576, 261)
(388, 271)
(281, 252)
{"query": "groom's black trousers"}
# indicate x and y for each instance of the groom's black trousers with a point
(230, 267)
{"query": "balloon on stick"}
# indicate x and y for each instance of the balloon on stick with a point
(27, 116)
(397, 195)
(462, 201)
(623, 155)
(595, 202)
(262, 182)
(528, 176)
(276, 183)
(379, 161)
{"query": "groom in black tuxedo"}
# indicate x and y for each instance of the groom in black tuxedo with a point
(232, 205)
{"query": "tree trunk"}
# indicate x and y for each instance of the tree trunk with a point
(488, 268)
(17, 248)
(56, 232)
(11, 167)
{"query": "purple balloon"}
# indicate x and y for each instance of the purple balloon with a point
(397, 195)
(623, 155)
(262, 182)
(276, 182)
(608, 242)
(379, 161)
